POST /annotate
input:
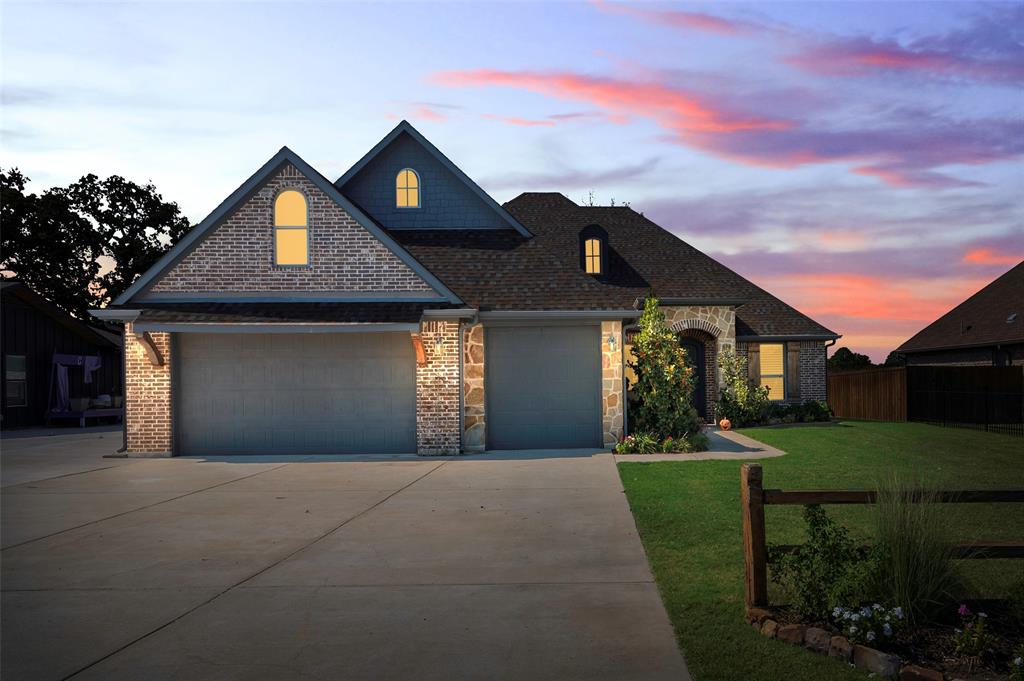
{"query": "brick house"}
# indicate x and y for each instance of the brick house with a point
(987, 329)
(402, 309)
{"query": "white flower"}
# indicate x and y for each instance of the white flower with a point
(871, 636)
(836, 611)
(876, 606)
(887, 629)
(981, 614)
(1018, 661)
(853, 629)
(957, 631)
(854, 617)
(898, 612)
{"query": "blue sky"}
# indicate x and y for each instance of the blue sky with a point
(860, 160)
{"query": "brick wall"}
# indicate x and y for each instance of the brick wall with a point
(239, 254)
(147, 390)
(813, 356)
(716, 326)
(473, 397)
(438, 390)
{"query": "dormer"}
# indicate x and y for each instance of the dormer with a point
(594, 250)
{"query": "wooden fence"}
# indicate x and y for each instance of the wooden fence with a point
(873, 394)
(753, 499)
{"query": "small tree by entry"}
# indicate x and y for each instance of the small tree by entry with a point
(663, 391)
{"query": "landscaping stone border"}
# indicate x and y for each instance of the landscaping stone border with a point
(820, 641)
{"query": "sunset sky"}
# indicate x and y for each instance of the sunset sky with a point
(861, 161)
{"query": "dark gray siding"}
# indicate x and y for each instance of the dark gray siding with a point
(446, 202)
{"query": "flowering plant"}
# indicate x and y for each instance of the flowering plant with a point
(875, 625)
(972, 639)
(1017, 664)
(641, 443)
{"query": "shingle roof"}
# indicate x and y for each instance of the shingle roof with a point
(982, 319)
(494, 270)
(283, 313)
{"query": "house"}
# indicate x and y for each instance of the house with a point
(401, 309)
(987, 329)
(34, 333)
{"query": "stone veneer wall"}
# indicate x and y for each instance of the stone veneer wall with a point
(438, 391)
(474, 438)
(238, 255)
(611, 383)
(147, 391)
(702, 321)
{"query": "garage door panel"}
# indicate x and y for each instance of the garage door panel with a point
(543, 387)
(295, 393)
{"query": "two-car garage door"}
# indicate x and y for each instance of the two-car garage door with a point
(322, 393)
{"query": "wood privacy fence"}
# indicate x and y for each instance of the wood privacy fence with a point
(986, 398)
(874, 395)
(753, 499)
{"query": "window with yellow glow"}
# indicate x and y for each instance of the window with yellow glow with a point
(592, 256)
(773, 361)
(291, 229)
(407, 189)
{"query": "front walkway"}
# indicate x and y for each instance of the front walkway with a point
(483, 568)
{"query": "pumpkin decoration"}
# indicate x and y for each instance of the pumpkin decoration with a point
(725, 424)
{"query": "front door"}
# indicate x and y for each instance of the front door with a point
(695, 358)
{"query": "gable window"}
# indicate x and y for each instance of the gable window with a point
(17, 392)
(773, 363)
(291, 229)
(592, 256)
(407, 189)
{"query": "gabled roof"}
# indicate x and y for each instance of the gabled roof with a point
(99, 337)
(407, 128)
(992, 316)
(494, 271)
(285, 155)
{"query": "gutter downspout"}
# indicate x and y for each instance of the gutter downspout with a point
(828, 344)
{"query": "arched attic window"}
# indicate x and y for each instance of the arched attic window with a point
(291, 229)
(407, 189)
(594, 250)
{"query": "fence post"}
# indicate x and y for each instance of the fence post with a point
(755, 551)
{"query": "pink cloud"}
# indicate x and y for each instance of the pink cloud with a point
(696, 21)
(903, 151)
(516, 120)
(427, 114)
(986, 256)
(673, 108)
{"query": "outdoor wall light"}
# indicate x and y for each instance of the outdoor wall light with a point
(438, 342)
(611, 342)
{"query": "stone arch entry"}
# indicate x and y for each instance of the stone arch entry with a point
(702, 347)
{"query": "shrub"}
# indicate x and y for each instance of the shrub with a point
(664, 380)
(875, 626)
(697, 442)
(639, 443)
(827, 570)
(972, 640)
(916, 568)
(741, 401)
(1017, 664)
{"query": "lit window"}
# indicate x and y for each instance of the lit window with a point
(17, 393)
(773, 361)
(291, 229)
(407, 189)
(592, 256)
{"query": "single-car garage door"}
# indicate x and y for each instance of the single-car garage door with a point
(317, 393)
(543, 387)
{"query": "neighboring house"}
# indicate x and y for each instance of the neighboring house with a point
(402, 309)
(987, 329)
(33, 331)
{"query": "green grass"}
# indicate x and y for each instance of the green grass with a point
(688, 516)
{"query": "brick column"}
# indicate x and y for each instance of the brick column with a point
(474, 438)
(812, 370)
(611, 383)
(438, 390)
(147, 395)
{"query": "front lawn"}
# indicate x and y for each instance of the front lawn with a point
(688, 516)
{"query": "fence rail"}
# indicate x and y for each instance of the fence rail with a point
(753, 499)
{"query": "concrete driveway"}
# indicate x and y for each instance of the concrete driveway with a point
(503, 566)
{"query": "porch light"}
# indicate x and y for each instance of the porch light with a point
(438, 342)
(611, 342)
